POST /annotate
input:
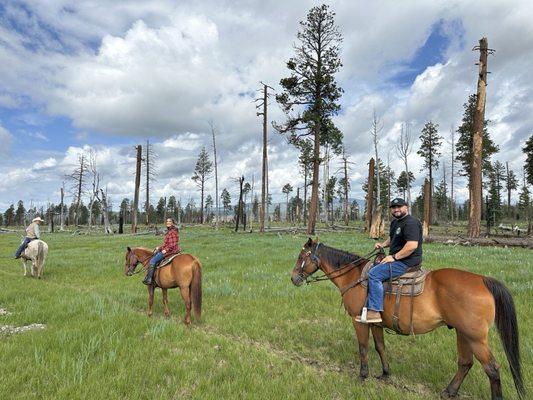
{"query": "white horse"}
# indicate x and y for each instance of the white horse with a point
(36, 252)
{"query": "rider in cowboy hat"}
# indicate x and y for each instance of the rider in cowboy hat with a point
(32, 232)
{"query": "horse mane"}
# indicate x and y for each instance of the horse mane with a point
(336, 257)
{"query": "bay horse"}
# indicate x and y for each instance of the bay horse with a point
(467, 302)
(184, 272)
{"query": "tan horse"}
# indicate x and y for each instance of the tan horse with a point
(466, 302)
(36, 252)
(184, 272)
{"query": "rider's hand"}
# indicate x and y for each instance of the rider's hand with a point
(378, 246)
(387, 259)
(164, 251)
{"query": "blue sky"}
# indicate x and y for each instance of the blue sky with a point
(105, 76)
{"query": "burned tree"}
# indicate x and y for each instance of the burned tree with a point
(217, 214)
(137, 186)
(149, 163)
(77, 179)
(404, 149)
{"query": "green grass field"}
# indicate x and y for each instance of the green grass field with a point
(260, 337)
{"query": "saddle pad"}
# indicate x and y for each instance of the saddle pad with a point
(168, 260)
(404, 282)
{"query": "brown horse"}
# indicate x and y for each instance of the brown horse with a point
(467, 302)
(185, 272)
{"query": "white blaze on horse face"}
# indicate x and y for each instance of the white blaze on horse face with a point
(302, 266)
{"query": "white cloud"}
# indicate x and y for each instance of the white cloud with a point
(161, 70)
(48, 163)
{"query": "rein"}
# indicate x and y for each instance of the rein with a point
(142, 263)
(347, 268)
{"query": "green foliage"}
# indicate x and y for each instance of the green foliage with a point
(9, 215)
(226, 200)
(528, 166)
(310, 94)
(466, 137)
(402, 184)
(497, 177)
(429, 147)
(441, 201)
(19, 213)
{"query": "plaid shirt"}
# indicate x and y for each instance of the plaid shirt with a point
(170, 244)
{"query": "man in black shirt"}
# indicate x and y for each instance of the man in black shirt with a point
(405, 242)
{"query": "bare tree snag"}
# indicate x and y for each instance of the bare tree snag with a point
(105, 213)
(427, 210)
(369, 196)
(78, 179)
(476, 199)
(264, 170)
(239, 204)
(62, 206)
(404, 149)
(137, 186)
(217, 215)
(376, 226)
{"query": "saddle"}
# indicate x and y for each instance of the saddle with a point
(409, 284)
(168, 259)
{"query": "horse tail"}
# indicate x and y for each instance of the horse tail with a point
(39, 259)
(507, 326)
(196, 289)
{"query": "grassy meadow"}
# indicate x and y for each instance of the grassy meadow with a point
(260, 337)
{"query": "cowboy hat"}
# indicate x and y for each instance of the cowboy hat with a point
(37, 219)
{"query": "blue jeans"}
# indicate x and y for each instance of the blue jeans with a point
(376, 276)
(22, 246)
(156, 258)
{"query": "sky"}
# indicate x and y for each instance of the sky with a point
(103, 76)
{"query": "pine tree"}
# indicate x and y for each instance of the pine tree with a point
(9, 216)
(402, 184)
(429, 151)
(466, 134)
(19, 214)
(511, 183)
(310, 94)
(160, 209)
(287, 189)
(226, 200)
(202, 172)
(496, 180)
(528, 166)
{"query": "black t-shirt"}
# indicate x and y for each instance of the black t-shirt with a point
(405, 230)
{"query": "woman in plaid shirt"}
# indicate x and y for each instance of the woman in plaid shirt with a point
(170, 246)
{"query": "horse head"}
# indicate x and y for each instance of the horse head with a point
(306, 264)
(131, 262)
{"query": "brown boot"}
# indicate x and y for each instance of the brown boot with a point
(372, 317)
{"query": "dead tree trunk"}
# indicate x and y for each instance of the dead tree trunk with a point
(313, 209)
(217, 215)
(137, 186)
(264, 172)
(369, 196)
(62, 206)
(105, 213)
(239, 204)
(474, 221)
(427, 210)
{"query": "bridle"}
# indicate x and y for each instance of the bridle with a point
(132, 267)
(327, 276)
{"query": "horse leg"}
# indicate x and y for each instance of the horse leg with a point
(150, 299)
(491, 367)
(33, 268)
(165, 302)
(25, 268)
(379, 342)
(362, 331)
(187, 300)
(465, 360)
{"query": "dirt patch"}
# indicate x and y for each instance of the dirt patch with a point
(11, 329)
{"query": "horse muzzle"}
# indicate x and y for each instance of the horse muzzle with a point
(298, 279)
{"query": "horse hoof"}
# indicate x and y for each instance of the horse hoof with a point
(383, 377)
(447, 395)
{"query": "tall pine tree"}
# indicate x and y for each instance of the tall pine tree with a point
(310, 94)
(528, 166)
(429, 151)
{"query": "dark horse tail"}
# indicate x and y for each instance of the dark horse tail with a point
(39, 258)
(507, 328)
(196, 289)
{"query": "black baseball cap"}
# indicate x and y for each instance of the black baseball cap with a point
(398, 202)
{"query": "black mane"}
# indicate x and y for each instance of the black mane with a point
(336, 257)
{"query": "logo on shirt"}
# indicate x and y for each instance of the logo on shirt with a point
(398, 230)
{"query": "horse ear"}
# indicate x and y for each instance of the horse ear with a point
(309, 242)
(129, 250)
